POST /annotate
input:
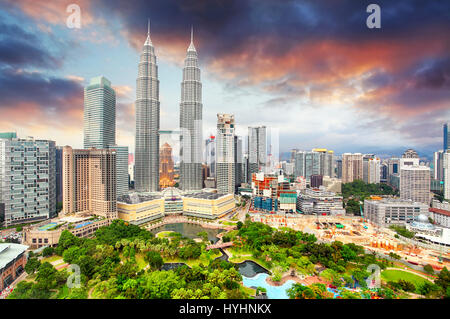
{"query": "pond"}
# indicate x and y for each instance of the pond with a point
(249, 268)
(273, 292)
(172, 266)
(189, 230)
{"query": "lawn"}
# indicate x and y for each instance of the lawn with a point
(50, 259)
(227, 223)
(164, 234)
(396, 275)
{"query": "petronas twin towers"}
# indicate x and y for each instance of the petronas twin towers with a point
(147, 122)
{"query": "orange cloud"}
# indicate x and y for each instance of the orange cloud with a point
(54, 12)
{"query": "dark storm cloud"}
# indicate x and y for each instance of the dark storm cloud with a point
(19, 48)
(227, 25)
(50, 93)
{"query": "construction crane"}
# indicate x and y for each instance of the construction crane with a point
(362, 215)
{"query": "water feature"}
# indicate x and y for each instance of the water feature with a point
(171, 266)
(249, 269)
(273, 292)
(189, 230)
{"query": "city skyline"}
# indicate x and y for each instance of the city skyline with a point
(366, 100)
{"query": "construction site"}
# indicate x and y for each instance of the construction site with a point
(359, 231)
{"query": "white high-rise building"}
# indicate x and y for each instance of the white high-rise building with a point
(210, 155)
(257, 150)
(415, 183)
(191, 122)
(373, 176)
(146, 177)
(446, 174)
(438, 160)
(225, 169)
(27, 179)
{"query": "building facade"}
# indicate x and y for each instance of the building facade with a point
(210, 155)
(256, 150)
(438, 165)
(140, 209)
(319, 201)
(99, 114)
(191, 122)
(446, 171)
(446, 135)
(415, 183)
(146, 177)
(166, 167)
(13, 258)
(352, 167)
(89, 182)
(225, 169)
(373, 171)
(100, 126)
(27, 180)
(385, 212)
(238, 162)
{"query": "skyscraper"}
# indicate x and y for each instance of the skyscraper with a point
(100, 126)
(89, 181)
(366, 158)
(225, 168)
(374, 171)
(27, 179)
(238, 161)
(352, 167)
(147, 120)
(58, 168)
(166, 167)
(210, 155)
(99, 114)
(257, 150)
(415, 183)
(446, 137)
(446, 176)
(438, 163)
(191, 122)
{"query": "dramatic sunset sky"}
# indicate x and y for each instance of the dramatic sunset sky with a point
(312, 69)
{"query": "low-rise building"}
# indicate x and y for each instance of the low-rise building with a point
(319, 201)
(13, 259)
(139, 209)
(48, 233)
(208, 205)
(441, 217)
(387, 211)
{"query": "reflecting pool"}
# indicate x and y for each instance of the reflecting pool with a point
(189, 230)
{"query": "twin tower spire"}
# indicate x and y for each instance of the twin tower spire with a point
(148, 119)
(148, 41)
